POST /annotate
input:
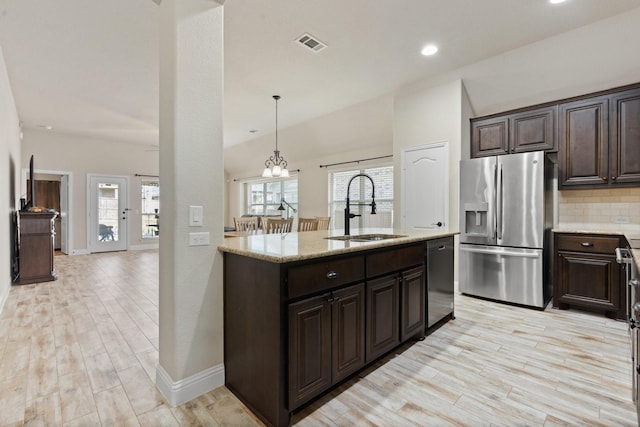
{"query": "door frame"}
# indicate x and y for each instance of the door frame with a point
(68, 230)
(90, 176)
(403, 159)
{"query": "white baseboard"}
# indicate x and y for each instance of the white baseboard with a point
(144, 247)
(4, 295)
(184, 390)
(79, 252)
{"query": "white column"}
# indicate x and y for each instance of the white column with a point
(191, 174)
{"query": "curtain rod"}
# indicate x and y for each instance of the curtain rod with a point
(258, 176)
(356, 161)
(149, 176)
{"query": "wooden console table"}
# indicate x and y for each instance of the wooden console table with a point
(35, 251)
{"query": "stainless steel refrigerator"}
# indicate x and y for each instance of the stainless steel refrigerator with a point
(506, 216)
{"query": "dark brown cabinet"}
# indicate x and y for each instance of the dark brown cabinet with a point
(587, 275)
(529, 130)
(597, 137)
(624, 143)
(413, 307)
(489, 137)
(584, 142)
(35, 250)
(295, 329)
(309, 349)
(326, 341)
(600, 141)
(383, 306)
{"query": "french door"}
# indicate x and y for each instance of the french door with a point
(107, 213)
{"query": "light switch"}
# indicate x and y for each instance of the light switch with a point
(195, 216)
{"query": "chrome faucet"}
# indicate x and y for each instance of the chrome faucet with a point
(347, 214)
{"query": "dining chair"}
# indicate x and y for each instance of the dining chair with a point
(276, 225)
(323, 222)
(246, 223)
(307, 224)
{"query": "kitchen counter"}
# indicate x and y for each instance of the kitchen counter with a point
(303, 312)
(290, 247)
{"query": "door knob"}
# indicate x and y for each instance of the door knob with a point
(439, 223)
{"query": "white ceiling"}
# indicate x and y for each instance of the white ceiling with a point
(90, 67)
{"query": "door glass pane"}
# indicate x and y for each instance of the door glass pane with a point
(150, 209)
(108, 212)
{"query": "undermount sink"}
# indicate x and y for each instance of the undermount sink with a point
(367, 237)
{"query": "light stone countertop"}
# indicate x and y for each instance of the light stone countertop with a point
(282, 248)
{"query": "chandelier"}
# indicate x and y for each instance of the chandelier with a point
(279, 168)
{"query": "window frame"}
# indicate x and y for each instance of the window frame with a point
(269, 204)
(361, 221)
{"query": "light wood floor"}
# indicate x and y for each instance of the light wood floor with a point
(82, 351)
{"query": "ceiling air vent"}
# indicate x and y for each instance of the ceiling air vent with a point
(310, 42)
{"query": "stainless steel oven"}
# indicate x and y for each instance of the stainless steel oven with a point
(632, 282)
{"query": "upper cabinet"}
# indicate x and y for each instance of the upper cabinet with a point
(624, 143)
(529, 130)
(584, 137)
(597, 137)
(600, 141)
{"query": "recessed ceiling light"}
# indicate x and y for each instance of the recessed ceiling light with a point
(556, 1)
(429, 50)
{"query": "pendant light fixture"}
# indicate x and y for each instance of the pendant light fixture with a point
(279, 168)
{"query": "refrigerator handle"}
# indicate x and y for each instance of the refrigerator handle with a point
(499, 200)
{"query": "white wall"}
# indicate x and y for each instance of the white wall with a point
(361, 131)
(425, 116)
(9, 177)
(83, 155)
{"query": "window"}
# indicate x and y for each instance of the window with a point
(150, 209)
(361, 194)
(264, 197)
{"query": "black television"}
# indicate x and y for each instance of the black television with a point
(31, 190)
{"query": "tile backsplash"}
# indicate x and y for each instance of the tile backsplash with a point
(606, 209)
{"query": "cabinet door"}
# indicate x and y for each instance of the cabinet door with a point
(533, 130)
(413, 303)
(309, 349)
(584, 142)
(624, 145)
(588, 280)
(347, 331)
(383, 332)
(489, 137)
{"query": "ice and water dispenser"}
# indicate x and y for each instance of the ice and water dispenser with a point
(475, 223)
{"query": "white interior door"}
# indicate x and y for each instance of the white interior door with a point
(107, 213)
(425, 187)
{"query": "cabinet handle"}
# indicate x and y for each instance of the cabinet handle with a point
(332, 275)
(634, 282)
(442, 248)
(586, 244)
(613, 178)
(604, 178)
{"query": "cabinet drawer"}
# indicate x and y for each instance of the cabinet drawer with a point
(588, 243)
(316, 277)
(394, 260)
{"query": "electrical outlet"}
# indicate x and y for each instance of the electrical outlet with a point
(199, 239)
(621, 219)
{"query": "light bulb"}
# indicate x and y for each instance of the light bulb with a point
(266, 173)
(284, 173)
(276, 170)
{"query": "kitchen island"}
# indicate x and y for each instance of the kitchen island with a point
(304, 311)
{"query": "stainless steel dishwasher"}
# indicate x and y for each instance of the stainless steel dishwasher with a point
(440, 278)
